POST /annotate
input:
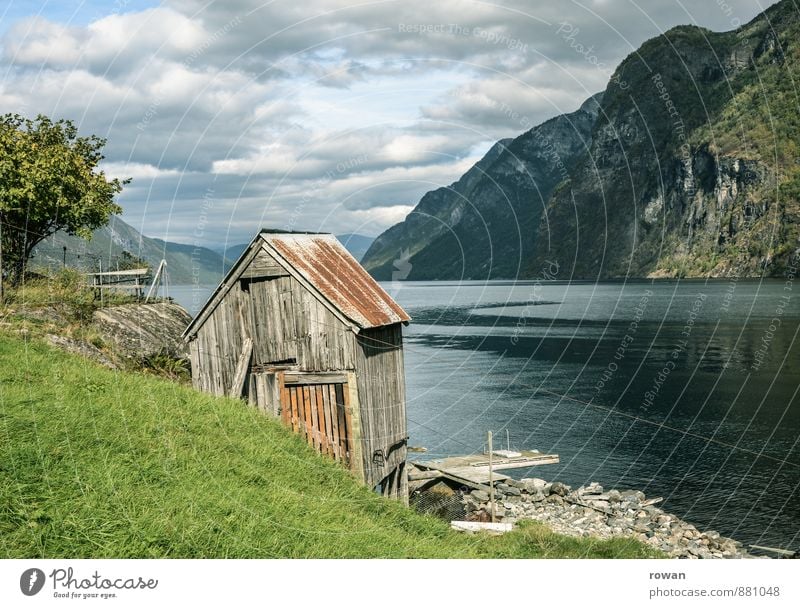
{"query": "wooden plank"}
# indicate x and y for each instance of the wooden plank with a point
(323, 428)
(281, 390)
(295, 408)
(286, 404)
(263, 273)
(352, 410)
(261, 392)
(251, 391)
(774, 550)
(348, 420)
(481, 526)
(295, 377)
(341, 425)
(323, 396)
(326, 414)
(133, 272)
(307, 416)
(241, 369)
(334, 418)
(315, 423)
(420, 475)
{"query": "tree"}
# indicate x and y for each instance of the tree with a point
(49, 181)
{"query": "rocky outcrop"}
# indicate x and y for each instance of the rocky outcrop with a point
(82, 348)
(591, 511)
(691, 172)
(138, 331)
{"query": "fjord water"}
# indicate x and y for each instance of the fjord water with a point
(683, 389)
(677, 388)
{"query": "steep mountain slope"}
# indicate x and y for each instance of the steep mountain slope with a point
(485, 224)
(186, 263)
(693, 169)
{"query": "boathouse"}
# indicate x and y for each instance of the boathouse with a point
(299, 329)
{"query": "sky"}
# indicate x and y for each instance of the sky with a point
(317, 115)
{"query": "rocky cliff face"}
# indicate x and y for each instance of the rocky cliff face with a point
(688, 171)
(484, 225)
(689, 167)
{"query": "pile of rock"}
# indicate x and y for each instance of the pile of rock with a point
(590, 511)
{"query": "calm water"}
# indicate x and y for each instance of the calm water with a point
(680, 389)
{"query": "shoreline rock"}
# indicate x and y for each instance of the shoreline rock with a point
(589, 511)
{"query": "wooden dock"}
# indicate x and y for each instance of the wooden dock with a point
(473, 470)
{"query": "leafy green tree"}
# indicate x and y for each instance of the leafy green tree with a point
(49, 181)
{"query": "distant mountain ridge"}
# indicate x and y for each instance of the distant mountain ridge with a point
(686, 165)
(186, 264)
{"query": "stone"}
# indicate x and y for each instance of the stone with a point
(537, 497)
(642, 528)
(480, 495)
(533, 484)
(632, 495)
(559, 488)
(614, 496)
(139, 330)
(79, 347)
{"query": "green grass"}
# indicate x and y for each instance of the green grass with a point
(98, 463)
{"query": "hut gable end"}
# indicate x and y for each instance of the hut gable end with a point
(299, 329)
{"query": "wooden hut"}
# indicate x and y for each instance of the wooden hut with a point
(301, 330)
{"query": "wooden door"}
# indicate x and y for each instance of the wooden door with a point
(316, 406)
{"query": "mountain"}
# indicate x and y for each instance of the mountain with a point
(686, 165)
(356, 244)
(480, 226)
(232, 253)
(693, 168)
(117, 241)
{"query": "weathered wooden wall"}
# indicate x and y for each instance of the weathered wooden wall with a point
(381, 389)
(215, 350)
(289, 325)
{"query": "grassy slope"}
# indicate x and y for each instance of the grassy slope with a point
(97, 463)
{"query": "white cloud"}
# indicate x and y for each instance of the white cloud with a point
(346, 111)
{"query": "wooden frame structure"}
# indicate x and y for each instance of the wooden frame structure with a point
(299, 329)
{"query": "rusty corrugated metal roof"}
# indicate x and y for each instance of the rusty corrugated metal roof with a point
(330, 268)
